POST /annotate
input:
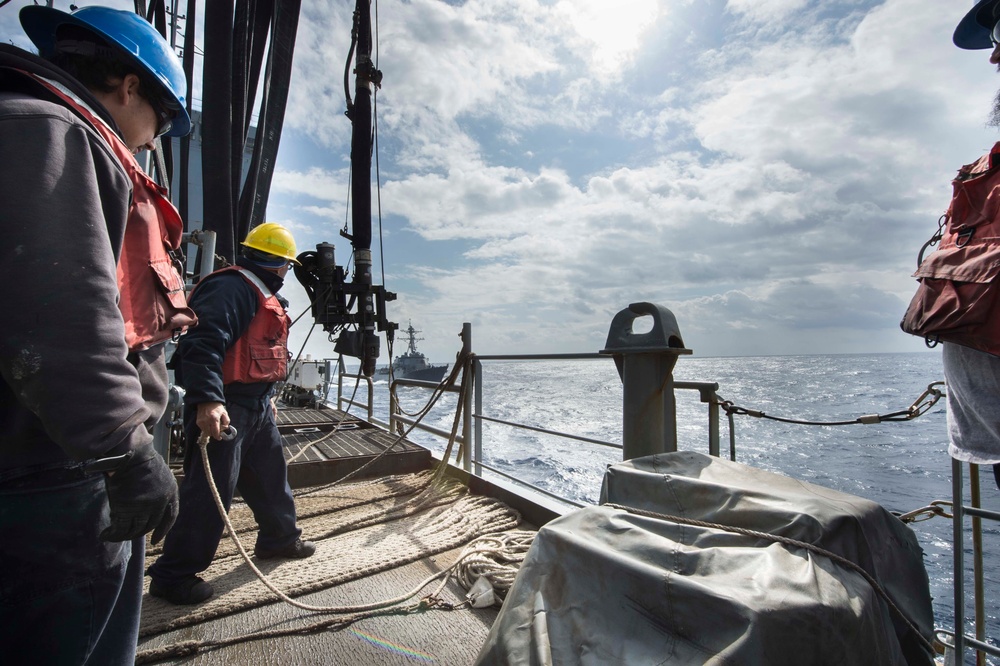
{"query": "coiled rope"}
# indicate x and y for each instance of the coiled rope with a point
(496, 557)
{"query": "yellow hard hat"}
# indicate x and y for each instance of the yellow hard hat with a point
(272, 238)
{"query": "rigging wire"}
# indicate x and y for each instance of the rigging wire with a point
(389, 338)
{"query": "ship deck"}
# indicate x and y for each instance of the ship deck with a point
(379, 535)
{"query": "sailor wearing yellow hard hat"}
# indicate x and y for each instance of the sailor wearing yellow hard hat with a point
(228, 366)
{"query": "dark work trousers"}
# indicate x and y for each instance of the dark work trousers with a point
(66, 596)
(252, 463)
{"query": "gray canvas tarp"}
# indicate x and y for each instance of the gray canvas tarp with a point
(605, 586)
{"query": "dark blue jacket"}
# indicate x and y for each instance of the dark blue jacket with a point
(225, 304)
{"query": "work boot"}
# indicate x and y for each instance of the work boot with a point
(191, 591)
(295, 551)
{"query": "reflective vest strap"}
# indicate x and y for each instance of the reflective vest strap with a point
(257, 282)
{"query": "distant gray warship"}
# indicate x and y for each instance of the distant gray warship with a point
(413, 364)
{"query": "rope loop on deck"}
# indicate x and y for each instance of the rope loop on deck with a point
(496, 557)
(448, 382)
(203, 445)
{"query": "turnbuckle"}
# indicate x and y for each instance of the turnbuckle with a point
(432, 601)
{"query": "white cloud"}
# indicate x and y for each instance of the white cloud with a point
(766, 168)
(764, 10)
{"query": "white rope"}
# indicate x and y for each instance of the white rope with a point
(203, 444)
(497, 557)
(424, 411)
(492, 555)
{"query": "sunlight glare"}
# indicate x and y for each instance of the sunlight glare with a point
(612, 28)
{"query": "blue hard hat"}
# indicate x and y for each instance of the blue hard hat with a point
(975, 29)
(136, 40)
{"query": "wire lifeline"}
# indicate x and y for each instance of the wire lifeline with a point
(920, 406)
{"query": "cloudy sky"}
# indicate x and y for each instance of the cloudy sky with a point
(766, 169)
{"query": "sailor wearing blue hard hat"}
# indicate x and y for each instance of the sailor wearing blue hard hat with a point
(134, 41)
(95, 296)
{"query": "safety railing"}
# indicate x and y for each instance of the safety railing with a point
(960, 511)
(345, 403)
(475, 463)
(471, 458)
(398, 419)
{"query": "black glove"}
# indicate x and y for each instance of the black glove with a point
(142, 495)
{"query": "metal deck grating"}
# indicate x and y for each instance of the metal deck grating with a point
(337, 445)
(302, 416)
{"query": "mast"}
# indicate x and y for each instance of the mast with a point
(411, 332)
(361, 167)
(326, 283)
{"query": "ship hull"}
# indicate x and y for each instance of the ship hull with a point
(434, 373)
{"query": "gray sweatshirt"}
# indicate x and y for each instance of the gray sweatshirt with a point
(69, 390)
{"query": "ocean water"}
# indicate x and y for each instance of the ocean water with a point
(903, 466)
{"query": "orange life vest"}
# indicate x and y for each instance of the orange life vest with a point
(261, 353)
(957, 300)
(151, 289)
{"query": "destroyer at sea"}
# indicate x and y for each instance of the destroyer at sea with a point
(412, 364)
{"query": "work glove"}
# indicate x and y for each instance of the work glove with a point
(142, 495)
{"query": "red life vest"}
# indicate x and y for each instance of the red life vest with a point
(261, 353)
(957, 300)
(151, 289)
